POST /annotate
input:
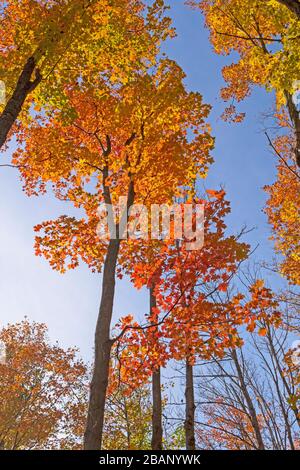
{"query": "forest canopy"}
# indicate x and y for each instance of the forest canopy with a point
(108, 129)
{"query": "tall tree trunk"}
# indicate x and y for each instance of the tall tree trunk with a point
(293, 5)
(251, 408)
(14, 105)
(190, 407)
(103, 345)
(295, 118)
(157, 431)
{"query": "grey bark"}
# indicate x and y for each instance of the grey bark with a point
(157, 432)
(103, 345)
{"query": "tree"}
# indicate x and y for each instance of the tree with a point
(127, 423)
(134, 141)
(208, 330)
(248, 398)
(293, 5)
(283, 210)
(44, 51)
(201, 331)
(182, 323)
(157, 428)
(265, 35)
(43, 390)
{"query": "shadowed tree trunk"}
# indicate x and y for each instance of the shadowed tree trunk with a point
(157, 431)
(14, 105)
(189, 424)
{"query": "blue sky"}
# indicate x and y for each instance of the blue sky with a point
(243, 165)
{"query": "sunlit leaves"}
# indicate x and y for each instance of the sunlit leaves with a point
(42, 390)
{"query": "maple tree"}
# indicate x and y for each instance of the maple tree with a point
(131, 141)
(293, 5)
(208, 329)
(265, 35)
(290, 370)
(44, 51)
(42, 390)
(283, 210)
(178, 309)
(127, 420)
(100, 114)
(200, 329)
(230, 430)
(183, 322)
(191, 317)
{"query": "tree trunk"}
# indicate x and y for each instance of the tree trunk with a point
(157, 431)
(295, 118)
(14, 105)
(251, 409)
(103, 344)
(189, 424)
(293, 5)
